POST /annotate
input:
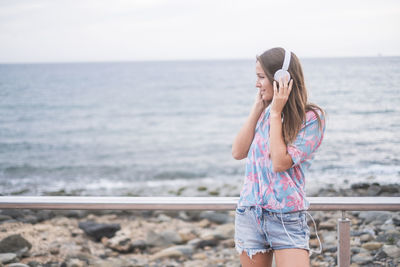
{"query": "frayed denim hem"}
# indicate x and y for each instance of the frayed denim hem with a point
(251, 251)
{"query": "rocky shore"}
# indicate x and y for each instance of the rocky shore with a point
(77, 238)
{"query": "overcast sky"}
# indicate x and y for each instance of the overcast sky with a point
(115, 30)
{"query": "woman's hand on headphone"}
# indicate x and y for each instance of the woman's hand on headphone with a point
(281, 95)
(259, 103)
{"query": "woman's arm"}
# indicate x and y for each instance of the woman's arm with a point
(243, 140)
(281, 160)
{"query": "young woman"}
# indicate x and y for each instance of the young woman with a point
(279, 140)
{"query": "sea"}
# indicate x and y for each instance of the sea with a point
(161, 128)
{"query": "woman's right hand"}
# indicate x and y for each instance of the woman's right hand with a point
(259, 103)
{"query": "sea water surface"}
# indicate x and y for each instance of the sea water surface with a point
(150, 128)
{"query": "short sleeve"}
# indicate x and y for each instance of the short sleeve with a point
(308, 139)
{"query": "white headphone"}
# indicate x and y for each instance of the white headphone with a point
(281, 73)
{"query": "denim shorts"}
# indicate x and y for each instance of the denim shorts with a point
(259, 230)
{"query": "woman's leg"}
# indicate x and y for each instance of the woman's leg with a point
(292, 257)
(258, 260)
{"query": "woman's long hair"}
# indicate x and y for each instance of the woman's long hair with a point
(294, 112)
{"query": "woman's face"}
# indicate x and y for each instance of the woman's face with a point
(263, 84)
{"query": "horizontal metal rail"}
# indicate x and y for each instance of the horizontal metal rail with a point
(205, 203)
(185, 203)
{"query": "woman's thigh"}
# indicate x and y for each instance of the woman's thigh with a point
(292, 257)
(258, 260)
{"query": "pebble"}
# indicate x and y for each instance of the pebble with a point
(374, 216)
(75, 263)
(186, 234)
(163, 239)
(170, 253)
(7, 257)
(216, 217)
(392, 251)
(372, 245)
(17, 264)
(327, 225)
(98, 230)
(366, 237)
(329, 237)
(15, 243)
(361, 258)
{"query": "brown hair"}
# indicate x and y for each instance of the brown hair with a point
(294, 112)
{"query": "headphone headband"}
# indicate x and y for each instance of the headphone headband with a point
(281, 73)
(286, 61)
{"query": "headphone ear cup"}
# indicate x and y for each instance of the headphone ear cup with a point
(281, 74)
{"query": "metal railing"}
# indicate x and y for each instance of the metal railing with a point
(342, 204)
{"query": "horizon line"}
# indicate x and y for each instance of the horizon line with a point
(176, 60)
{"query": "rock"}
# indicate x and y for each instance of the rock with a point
(163, 218)
(372, 245)
(329, 237)
(361, 258)
(121, 244)
(392, 251)
(355, 242)
(391, 237)
(225, 231)
(14, 213)
(98, 230)
(222, 232)
(4, 217)
(373, 190)
(75, 263)
(396, 220)
(330, 248)
(166, 238)
(139, 244)
(121, 262)
(374, 216)
(390, 189)
(7, 257)
(204, 223)
(54, 248)
(78, 214)
(228, 243)
(34, 264)
(216, 217)
(174, 252)
(366, 237)
(360, 186)
(17, 265)
(380, 255)
(327, 225)
(169, 254)
(53, 264)
(29, 219)
(43, 215)
(183, 216)
(199, 243)
(387, 226)
(199, 256)
(186, 234)
(314, 242)
(15, 244)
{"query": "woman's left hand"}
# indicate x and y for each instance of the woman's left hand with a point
(281, 95)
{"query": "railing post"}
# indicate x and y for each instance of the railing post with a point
(343, 255)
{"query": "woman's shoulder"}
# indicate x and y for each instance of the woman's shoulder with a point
(315, 118)
(314, 113)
